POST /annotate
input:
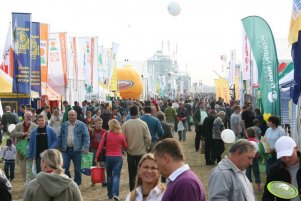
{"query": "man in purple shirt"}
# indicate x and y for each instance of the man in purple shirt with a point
(182, 183)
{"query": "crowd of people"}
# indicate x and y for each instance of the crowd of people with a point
(149, 133)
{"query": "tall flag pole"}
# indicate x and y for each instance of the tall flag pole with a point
(294, 39)
(264, 51)
(21, 25)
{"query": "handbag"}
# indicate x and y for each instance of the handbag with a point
(102, 156)
(87, 160)
(181, 126)
(22, 147)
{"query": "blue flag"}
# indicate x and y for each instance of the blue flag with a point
(21, 26)
(296, 55)
(35, 78)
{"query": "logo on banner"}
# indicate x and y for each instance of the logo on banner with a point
(272, 96)
(53, 55)
(43, 46)
(34, 48)
(23, 42)
(125, 84)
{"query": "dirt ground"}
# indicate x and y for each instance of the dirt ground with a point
(195, 160)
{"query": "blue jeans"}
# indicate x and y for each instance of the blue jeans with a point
(182, 134)
(75, 156)
(9, 168)
(255, 167)
(113, 167)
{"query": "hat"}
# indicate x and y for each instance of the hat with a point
(154, 102)
(284, 146)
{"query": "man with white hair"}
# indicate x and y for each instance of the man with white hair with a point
(228, 180)
(287, 169)
(73, 140)
(22, 132)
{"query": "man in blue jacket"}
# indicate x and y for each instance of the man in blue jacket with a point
(72, 141)
(154, 126)
(41, 138)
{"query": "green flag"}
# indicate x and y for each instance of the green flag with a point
(264, 51)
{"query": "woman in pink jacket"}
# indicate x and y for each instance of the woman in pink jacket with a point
(113, 142)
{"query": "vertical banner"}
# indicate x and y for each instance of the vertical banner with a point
(44, 29)
(218, 90)
(246, 58)
(73, 58)
(6, 67)
(57, 62)
(232, 64)
(35, 78)
(264, 52)
(222, 89)
(113, 62)
(295, 40)
(237, 92)
(88, 62)
(95, 67)
(106, 65)
(21, 25)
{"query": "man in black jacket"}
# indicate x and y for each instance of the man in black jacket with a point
(207, 129)
(198, 118)
(286, 169)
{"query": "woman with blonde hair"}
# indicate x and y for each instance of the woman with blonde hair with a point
(113, 142)
(147, 185)
(51, 183)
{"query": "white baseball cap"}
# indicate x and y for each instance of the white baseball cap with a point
(284, 146)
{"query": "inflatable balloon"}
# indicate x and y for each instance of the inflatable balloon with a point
(228, 136)
(129, 82)
(11, 127)
(174, 8)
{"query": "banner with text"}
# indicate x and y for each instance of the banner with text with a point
(57, 62)
(21, 25)
(264, 52)
(44, 29)
(35, 78)
(88, 62)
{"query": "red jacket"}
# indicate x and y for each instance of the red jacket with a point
(95, 137)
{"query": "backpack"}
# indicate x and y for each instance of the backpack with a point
(4, 192)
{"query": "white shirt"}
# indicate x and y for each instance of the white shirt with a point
(155, 194)
(177, 173)
(245, 182)
(70, 142)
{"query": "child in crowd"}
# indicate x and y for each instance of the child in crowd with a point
(251, 136)
(9, 155)
(257, 129)
(96, 133)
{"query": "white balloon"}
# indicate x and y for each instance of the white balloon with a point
(174, 8)
(228, 136)
(11, 127)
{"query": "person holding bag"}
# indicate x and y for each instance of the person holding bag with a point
(96, 134)
(113, 142)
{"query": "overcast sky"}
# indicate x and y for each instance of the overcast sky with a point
(204, 30)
